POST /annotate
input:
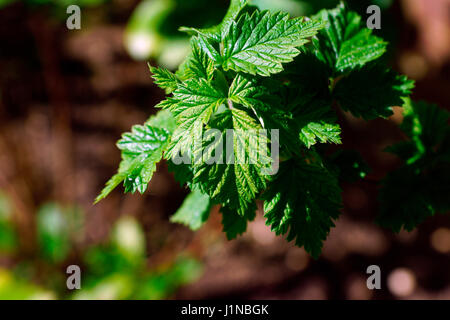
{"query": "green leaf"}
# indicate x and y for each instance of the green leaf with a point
(142, 139)
(196, 100)
(288, 130)
(182, 172)
(346, 43)
(414, 193)
(320, 131)
(164, 79)
(425, 124)
(235, 223)
(208, 46)
(303, 116)
(370, 92)
(236, 7)
(262, 42)
(246, 91)
(302, 201)
(199, 64)
(307, 77)
(163, 120)
(404, 204)
(420, 188)
(317, 124)
(141, 149)
(307, 124)
(234, 185)
(194, 211)
(359, 50)
(192, 105)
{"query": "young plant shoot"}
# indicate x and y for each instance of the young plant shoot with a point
(249, 113)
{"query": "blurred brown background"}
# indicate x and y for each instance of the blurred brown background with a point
(66, 96)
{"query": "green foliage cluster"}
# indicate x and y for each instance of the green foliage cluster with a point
(264, 70)
(420, 188)
(116, 269)
(153, 28)
(119, 270)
